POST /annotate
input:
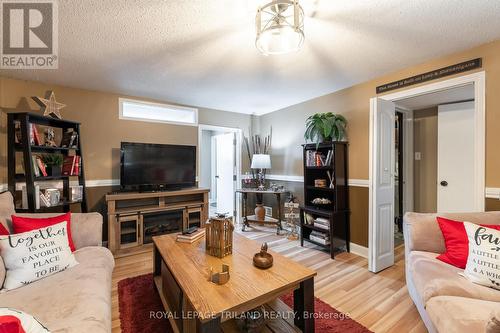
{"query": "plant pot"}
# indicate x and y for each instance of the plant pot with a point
(53, 170)
(260, 212)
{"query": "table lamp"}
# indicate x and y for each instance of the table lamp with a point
(261, 162)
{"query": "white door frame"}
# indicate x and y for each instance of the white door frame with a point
(479, 81)
(239, 138)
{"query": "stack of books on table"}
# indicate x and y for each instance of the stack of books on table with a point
(322, 223)
(319, 237)
(191, 238)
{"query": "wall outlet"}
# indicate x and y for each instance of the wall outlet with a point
(418, 156)
(269, 211)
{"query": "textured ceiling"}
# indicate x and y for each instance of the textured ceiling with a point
(202, 53)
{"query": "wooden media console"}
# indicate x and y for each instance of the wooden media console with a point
(135, 217)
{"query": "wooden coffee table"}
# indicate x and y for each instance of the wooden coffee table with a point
(198, 305)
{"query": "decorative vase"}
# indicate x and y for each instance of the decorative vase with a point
(260, 212)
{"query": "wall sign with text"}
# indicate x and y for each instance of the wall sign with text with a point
(432, 75)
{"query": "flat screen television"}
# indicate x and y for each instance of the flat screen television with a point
(152, 167)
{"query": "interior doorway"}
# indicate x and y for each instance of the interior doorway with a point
(395, 167)
(399, 176)
(219, 166)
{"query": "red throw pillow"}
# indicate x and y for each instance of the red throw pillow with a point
(10, 324)
(3, 230)
(24, 224)
(456, 242)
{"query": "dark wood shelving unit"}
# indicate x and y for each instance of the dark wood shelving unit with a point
(337, 212)
(27, 149)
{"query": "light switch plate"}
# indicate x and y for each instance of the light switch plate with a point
(418, 156)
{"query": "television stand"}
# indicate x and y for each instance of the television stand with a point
(135, 217)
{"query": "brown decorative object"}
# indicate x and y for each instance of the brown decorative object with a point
(49, 137)
(49, 105)
(221, 277)
(320, 182)
(260, 212)
(292, 216)
(219, 236)
(263, 259)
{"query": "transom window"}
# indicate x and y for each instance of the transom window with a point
(131, 109)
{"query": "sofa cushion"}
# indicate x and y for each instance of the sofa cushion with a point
(19, 321)
(432, 278)
(35, 255)
(483, 263)
(76, 300)
(456, 241)
(22, 224)
(7, 209)
(459, 314)
(3, 230)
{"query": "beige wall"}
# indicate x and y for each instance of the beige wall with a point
(353, 103)
(425, 170)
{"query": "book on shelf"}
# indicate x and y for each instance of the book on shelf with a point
(71, 166)
(41, 166)
(319, 240)
(36, 136)
(32, 138)
(19, 135)
(322, 225)
(322, 220)
(191, 237)
(316, 158)
(321, 235)
(36, 170)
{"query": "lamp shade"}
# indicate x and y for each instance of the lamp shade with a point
(261, 161)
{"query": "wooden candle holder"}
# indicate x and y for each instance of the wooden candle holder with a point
(219, 236)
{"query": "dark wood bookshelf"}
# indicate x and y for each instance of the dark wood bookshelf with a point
(24, 119)
(337, 212)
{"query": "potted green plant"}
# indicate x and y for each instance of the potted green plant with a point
(324, 127)
(53, 164)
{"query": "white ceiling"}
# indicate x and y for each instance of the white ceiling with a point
(202, 53)
(458, 94)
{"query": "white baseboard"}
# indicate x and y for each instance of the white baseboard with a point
(285, 178)
(358, 250)
(492, 193)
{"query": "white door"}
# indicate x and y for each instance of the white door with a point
(455, 188)
(225, 170)
(382, 164)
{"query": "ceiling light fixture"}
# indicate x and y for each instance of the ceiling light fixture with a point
(280, 27)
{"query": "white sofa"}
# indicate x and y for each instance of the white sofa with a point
(77, 299)
(446, 301)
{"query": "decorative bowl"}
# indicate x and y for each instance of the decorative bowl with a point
(263, 260)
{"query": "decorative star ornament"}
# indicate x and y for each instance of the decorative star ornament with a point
(49, 105)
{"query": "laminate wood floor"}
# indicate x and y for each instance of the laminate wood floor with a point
(378, 301)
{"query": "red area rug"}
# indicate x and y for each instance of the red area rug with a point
(138, 300)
